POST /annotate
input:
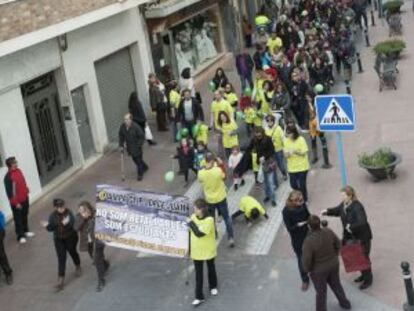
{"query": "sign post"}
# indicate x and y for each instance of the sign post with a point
(335, 113)
(342, 166)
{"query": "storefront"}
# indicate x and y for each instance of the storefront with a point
(192, 37)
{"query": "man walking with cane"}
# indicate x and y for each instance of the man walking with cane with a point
(131, 138)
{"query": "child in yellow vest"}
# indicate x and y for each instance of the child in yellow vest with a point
(231, 97)
(249, 117)
(262, 110)
(202, 134)
(228, 128)
(275, 132)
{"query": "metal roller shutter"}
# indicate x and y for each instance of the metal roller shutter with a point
(116, 82)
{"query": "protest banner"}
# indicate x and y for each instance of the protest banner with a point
(142, 221)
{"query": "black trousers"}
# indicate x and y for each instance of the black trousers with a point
(101, 263)
(212, 276)
(367, 274)
(161, 116)
(358, 16)
(141, 165)
(298, 251)
(64, 246)
(298, 182)
(186, 171)
(20, 219)
(321, 282)
(4, 262)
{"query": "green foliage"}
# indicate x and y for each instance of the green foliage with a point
(389, 47)
(379, 159)
(393, 6)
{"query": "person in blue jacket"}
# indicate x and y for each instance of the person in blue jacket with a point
(4, 262)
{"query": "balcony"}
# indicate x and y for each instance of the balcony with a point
(164, 8)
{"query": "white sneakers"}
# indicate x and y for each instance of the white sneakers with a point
(29, 234)
(197, 302)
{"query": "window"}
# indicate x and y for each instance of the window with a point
(197, 40)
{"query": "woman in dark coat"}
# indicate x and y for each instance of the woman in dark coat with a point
(85, 225)
(138, 114)
(61, 222)
(220, 79)
(295, 217)
(158, 101)
(356, 227)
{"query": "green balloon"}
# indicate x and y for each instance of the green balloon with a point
(211, 86)
(196, 129)
(248, 91)
(178, 136)
(318, 88)
(184, 132)
(239, 115)
(169, 176)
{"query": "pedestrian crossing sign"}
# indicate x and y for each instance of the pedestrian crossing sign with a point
(335, 113)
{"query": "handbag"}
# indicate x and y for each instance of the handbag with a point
(260, 174)
(353, 257)
(148, 134)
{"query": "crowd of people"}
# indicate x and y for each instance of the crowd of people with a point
(298, 46)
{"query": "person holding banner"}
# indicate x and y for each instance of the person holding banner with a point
(131, 138)
(212, 178)
(203, 248)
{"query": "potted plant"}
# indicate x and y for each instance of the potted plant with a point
(380, 164)
(391, 48)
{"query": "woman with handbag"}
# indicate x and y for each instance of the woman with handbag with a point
(356, 227)
(139, 117)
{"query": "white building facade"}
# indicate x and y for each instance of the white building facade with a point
(64, 90)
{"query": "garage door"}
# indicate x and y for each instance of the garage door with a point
(116, 82)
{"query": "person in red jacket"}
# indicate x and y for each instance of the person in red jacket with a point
(18, 194)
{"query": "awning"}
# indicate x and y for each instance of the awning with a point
(168, 7)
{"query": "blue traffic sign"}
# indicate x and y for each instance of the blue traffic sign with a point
(335, 113)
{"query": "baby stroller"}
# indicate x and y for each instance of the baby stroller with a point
(386, 68)
(395, 25)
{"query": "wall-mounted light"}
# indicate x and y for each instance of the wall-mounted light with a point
(63, 42)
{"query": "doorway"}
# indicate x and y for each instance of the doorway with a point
(47, 128)
(82, 122)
